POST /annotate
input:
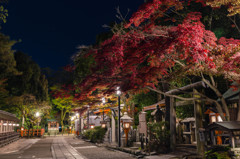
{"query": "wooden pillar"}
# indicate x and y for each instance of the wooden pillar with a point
(172, 124)
(232, 140)
(198, 123)
(167, 112)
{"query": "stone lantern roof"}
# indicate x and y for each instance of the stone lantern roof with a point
(126, 118)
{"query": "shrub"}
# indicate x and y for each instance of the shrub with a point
(95, 135)
(159, 137)
(218, 152)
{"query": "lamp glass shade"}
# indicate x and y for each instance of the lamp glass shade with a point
(126, 125)
(103, 125)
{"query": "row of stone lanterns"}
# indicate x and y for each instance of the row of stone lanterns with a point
(125, 120)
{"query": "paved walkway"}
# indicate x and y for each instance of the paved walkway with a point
(20, 144)
(61, 147)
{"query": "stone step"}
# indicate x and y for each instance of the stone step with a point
(138, 144)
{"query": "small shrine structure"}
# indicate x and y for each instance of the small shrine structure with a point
(53, 126)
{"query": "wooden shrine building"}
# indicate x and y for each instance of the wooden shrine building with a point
(8, 123)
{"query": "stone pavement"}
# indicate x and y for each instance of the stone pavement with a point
(60, 147)
(17, 146)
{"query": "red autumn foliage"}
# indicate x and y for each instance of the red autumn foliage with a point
(142, 56)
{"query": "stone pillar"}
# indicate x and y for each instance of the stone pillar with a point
(198, 123)
(113, 128)
(142, 124)
(57, 126)
(172, 124)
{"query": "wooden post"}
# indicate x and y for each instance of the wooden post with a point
(167, 112)
(198, 123)
(172, 124)
(233, 140)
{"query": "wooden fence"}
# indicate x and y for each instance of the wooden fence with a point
(31, 132)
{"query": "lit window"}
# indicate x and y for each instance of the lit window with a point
(213, 118)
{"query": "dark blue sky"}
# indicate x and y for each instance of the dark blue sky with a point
(51, 30)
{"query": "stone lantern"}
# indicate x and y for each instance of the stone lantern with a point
(127, 121)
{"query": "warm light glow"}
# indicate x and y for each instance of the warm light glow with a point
(118, 91)
(91, 126)
(103, 100)
(126, 125)
(70, 127)
(219, 119)
(213, 118)
(77, 115)
(72, 118)
(17, 124)
(37, 114)
(4, 124)
(10, 124)
(22, 129)
(103, 125)
(14, 124)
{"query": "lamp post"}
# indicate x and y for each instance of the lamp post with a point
(103, 122)
(37, 115)
(103, 101)
(119, 127)
(88, 117)
(126, 120)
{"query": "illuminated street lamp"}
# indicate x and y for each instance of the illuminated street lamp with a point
(38, 120)
(37, 114)
(103, 100)
(77, 115)
(126, 120)
(118, 92)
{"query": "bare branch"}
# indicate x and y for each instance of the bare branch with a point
(169, 95)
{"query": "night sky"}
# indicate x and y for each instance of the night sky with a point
(51, 30)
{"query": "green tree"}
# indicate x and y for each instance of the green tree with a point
(7, 61)
(31, 81)
(65, 105)
(26, 106)
(3, 11)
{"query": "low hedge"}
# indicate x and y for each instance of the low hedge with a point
(95, 135)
